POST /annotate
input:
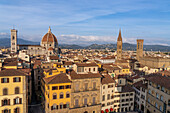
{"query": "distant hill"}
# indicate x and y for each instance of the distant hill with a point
(5, 42)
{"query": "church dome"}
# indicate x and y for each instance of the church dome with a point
(49, 37)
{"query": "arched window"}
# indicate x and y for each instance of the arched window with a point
(67, 95)
(61, 105)
(161, 98)
(5, 91)
(94, 85)
(16, 110)
(5, 102)
(17, 90)
(61, 95)
(94, 100)
(76, 102)
(54, 107)
(18, 100)
(156, 105)
(160, 108)
(6, 111)
(85, 101)
(54, 96)
(13, 38)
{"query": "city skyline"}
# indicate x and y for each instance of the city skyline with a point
(88, 21)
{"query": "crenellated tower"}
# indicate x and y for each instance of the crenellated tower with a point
(139, 49)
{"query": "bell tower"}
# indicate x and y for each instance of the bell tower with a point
(119, 46)
(13, 40)
(139, 49)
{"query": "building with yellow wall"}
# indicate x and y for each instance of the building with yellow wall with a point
(56, 90)
(13, 92)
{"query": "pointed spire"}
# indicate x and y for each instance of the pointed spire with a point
(49, 30)
(120, 36)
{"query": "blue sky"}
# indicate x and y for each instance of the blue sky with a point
(88, 21)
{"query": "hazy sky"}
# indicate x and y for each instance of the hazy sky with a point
(88, 21)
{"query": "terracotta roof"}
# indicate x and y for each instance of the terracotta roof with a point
(140, 84)
(68, 63)
(158, 79)
(54, 58)
(60, 78)
(36, 63)
(15, 63)
(86, 64)
(50, 48)
(74, 75)
(10, 59)
(12, 72)
(127, 88)
(106, 79)
(49, 37)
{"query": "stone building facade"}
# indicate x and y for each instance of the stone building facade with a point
(158, 94)
(85, 91)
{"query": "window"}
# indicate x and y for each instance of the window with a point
(160, 108)
(94, 100)
(16, 110)
(67, 95)
(148, 100)
(5, 91)
(4, 80)
(13, 38)
(55, 88)
(156, 105)
(150, 83)
(61, 87)
(103, 87)
(85, 101)
(5, 102)
(108, 96)
(86, 86)
(61, 95)
(94, 69)
(161, 98)
(17, 90)
(67, 105)
(149, 91)
(61, 105)
(158, 86)
(6, 111)
(163, 89)
(18, 100)
(89, 69)
(120, 81)
(103, 98)
(54, 107)
(76, 103)
(77, 87)
(94, 85)
(55, 96)
(123, 95)
(50, 73)
(68, 86)
(157, 95)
